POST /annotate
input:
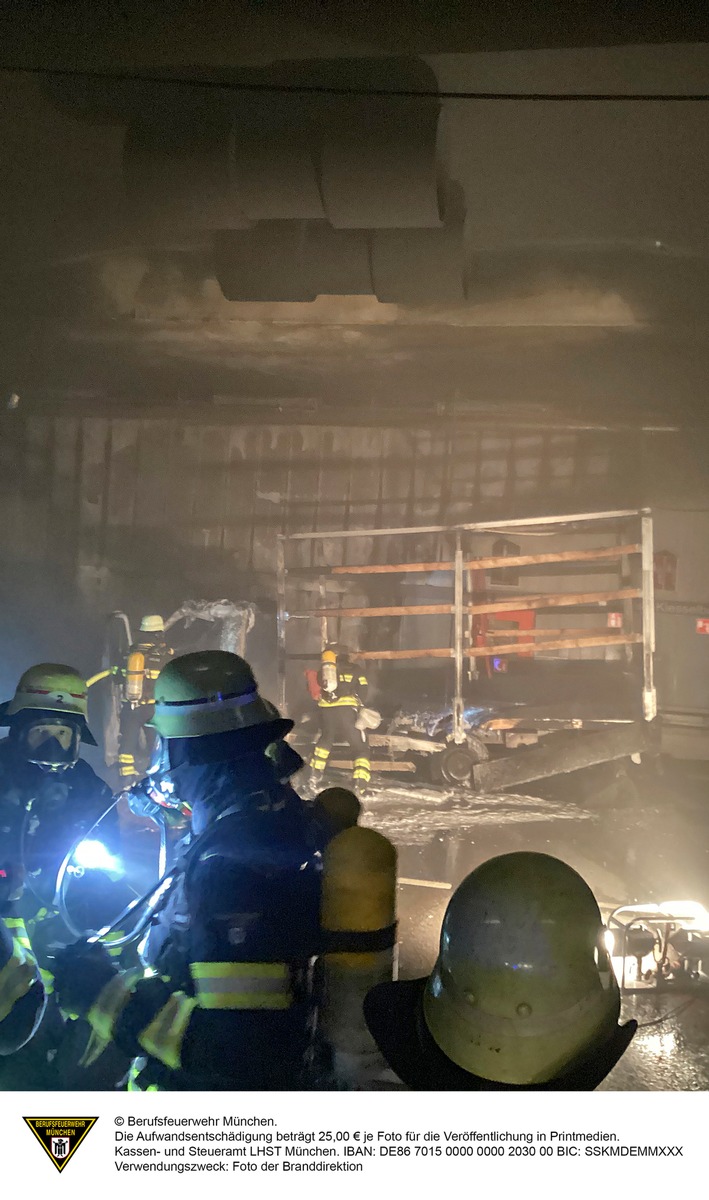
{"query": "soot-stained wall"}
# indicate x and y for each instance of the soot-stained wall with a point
(138, 515)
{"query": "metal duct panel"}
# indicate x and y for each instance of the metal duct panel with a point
(273, 157)
(379, 166)
(361, 162)
(419, 266)
(264, 263)
(293, 261)
(378, 156)
(274, 176)
(177, 175)
(338, 261)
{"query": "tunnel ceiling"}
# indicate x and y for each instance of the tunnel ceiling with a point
(505, 258)
(221, 32)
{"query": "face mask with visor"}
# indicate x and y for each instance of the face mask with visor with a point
(50, 743)
(157, 790)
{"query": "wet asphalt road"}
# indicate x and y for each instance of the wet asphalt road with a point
(670, 1051)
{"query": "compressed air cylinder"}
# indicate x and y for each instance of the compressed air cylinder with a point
(135, 675)
(358, 919)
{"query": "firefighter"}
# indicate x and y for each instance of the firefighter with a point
(48, 794)
(49, 797)
(231, 1004)
(523, 995)
(22, 994)
(343, 691)
(143, 664)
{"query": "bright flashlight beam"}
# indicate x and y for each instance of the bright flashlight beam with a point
(689, 912)
(94, 856)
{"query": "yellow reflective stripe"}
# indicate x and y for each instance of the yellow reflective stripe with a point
(362, 762)
(163, 1037)
(236, 970)
(242, 985)
(346, 678)
(316, 766)
(110, 1003)
(249, 1000)
(20, 937)
(133, 1085)
(344, 701)
(318, 752)
(47, 980)
(135, 1068)
(114, 951)
(363, 680)
(16, 979)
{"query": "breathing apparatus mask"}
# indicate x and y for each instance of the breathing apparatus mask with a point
(185, 772)
(49, 741)
(156, 795)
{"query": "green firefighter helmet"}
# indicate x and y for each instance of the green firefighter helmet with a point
(152, 623)
(50, 688)
(212, 691)
(523, 987)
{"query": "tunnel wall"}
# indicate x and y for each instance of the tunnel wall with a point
(102, 514)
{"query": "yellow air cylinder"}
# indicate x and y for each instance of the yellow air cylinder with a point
(135, 674)
(358, 918)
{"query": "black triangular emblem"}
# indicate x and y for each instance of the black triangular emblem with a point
(60, 1136)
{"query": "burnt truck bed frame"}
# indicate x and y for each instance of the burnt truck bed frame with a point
(604, 738)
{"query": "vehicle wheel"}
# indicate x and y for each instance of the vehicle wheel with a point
(454, 765)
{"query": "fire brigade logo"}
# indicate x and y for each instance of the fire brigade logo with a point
(60, 1137)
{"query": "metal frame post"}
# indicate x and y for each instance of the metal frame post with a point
(281, 618)
(478, 526)
(648, 603)
(458, 728)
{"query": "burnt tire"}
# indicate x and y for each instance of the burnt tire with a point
(454, 765)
